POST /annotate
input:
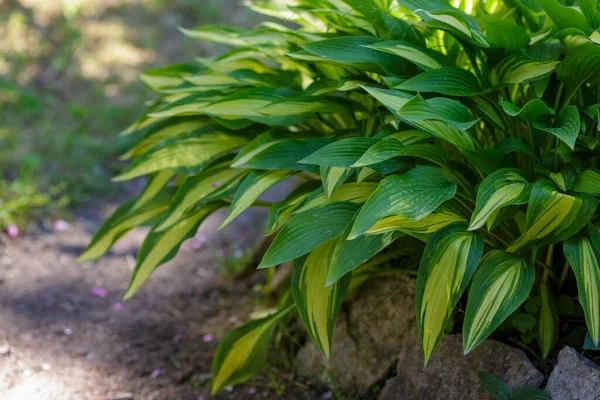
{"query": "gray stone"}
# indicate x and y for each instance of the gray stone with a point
(574, 377)
(450, 375)
(364, 354)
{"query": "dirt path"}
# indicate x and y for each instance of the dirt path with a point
(63, 338)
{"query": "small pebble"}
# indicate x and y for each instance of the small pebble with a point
(327, 395)
(238, 254)
(229, 388)
(68, 331)
(60, 226)
(207, 338)
(46, 367)
(13, 231)
(99, 292)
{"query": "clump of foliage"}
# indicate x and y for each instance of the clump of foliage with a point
(472, 126)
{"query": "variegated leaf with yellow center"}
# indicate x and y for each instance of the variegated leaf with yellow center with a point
(317, 304)
(448, 264)
(553, 216)
(585, 264)
(243, 351)
(499, 287)
(507, 186)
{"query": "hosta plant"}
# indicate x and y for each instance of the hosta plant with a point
(470, 125)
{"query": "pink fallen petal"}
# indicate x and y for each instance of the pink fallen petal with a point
(118, 306)
(215, 184)
(99, 292)
(207, 338)
(13, 231)
(157, 372)
(60, 226)
(252, 390)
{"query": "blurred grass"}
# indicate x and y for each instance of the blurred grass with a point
(69, 83)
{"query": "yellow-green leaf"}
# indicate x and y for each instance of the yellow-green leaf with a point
(547, 322)
(317, 304)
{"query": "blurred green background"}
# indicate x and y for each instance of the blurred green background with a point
(69, 84)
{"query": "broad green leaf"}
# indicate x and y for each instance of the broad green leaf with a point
(451, 81)
(587, 181)
(273, 150)
(380, 151)
(355, 193)
(505, 34)
(448, 263)
(250, 189)
(584, 262)
(333, 177)
(566, 126)
(517, 69)
(500, 285)
(317, 304)
(161, 78)
(502, 188)
(243, 351)
(303, 232)
(493, 385)
(564, 17)
(122, 220)
(529, 112)
(412, 195)
(342, 153)
(442, 109)
(211, 184)
(351, 254)
(529, 393)
(160, 247)
(580, 65)
(281, 211)
(589, 8)
(420, 56)
(547, 322)
(553, 216)
(187, 155)
(246, 102)
(303, 105)
(564, 178)
(155, 185)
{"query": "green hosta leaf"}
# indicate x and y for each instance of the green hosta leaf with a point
(451, 81)
(303, 232)
(565, 178)
(505, 35)
(303, 105)
(243, 351)
(449, 261)
(421, 229)
(272, 150)
(380, 151)
(589, 8)
(317, 304)
(567, 126)
(412, 195)
(587, 181)
(250, 189)
(422, 57)
(343, 153)
(502, 188)
(493, 385)
(529, 112)
(346, 192)
(584, 261)
(187, 155)
(247, 102)
(548, 321)
(165, 77)
(125, 218)
(529, 393)
(353, 51)
(588, 343)
(281, 211)
(155, 185)
(499, 287)
(333, 177)
(564, 17)
(580, 65)
(442, 109)
(517, 69)
(212, 184)
(160, 247)
(553, 216)
(351, 254)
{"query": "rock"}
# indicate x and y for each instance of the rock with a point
(451, 375)
(379, 320)
(574, 377)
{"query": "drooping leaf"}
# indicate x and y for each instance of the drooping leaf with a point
(343, 153)
(493, 385)
(412, 195)
(584, 262)
(504, 187)
(566, 126)
(517, 69)
(420, 56)
(553, 216)
(500, 285)
(587, 181)
(449, 261)
(317, 304)
(529, 112)
(333, 177)
(379, 152)
(564, 17)
(243, 351)
(505, 34)
(160, 247)
(580, 65)
(250, 189)
(451, 81)
(547, 322)
(303, 232)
